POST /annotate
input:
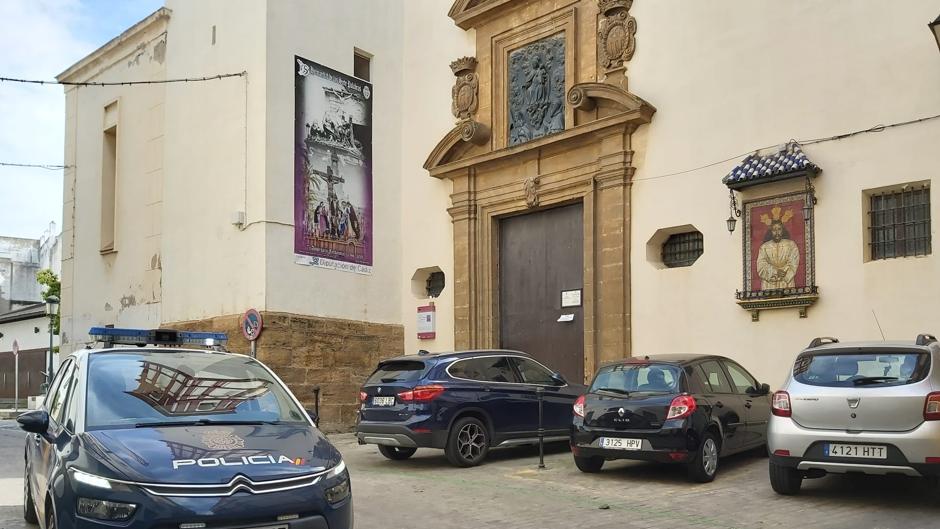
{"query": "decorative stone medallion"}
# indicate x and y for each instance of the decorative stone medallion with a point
(616, 34)
(537, 89)
(531, 187)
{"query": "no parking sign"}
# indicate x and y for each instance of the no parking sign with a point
(252, 324)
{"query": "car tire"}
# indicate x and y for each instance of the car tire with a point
(785, 480)
(704, 464)
(29, 506)
(397, 453)
(590, 465)
(468, 442)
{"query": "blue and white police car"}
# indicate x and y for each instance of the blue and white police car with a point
(151, 431)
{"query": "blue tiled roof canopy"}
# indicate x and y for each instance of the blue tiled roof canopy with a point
(757, 169)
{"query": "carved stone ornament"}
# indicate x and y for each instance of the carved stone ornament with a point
(537, 89)
(532, 192)
(466, 89)
(616, 34)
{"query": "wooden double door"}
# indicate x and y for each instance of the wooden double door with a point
(541, 276)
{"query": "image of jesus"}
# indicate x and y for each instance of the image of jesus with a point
(777, 259)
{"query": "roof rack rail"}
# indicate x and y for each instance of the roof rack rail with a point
(924, 339)
(822, 340)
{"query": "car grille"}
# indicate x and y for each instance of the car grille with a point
(239, 483)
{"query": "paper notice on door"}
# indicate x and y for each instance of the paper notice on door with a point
(571, 298)
(566, 317)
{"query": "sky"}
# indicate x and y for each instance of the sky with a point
(42, 38)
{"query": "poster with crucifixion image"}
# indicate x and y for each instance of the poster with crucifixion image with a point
(332, 169)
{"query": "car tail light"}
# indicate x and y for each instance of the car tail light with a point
(681, 407)
(781, 404)
(421, 394)
(785, 453)
(362, 396)
(678, 456)
(932, 460)
(932, 407)
(579, 407)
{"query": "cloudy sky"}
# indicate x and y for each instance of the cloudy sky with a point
(42, 38)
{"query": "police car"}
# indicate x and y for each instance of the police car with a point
(152, 431)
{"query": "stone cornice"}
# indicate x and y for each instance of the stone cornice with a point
(467, 16)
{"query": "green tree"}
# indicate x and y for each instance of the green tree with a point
(48, 279)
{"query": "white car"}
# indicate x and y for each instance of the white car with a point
(871, 408)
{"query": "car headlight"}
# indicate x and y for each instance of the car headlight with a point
(105, 510)
(340, 491)
(91, 480)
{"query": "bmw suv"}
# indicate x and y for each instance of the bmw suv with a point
(172, 437)
(871, 408)
(465, 403)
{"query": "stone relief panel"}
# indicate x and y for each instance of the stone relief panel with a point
(537, 89)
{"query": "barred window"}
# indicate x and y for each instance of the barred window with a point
(900, 223)
(682, 249)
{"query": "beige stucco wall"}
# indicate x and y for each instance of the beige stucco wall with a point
(121, 287)
(427, 230)
(730, 77)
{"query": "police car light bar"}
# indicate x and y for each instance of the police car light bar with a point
(111, 336)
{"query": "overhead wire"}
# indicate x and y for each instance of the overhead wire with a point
(125, 83)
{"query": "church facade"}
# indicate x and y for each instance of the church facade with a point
(584, 180)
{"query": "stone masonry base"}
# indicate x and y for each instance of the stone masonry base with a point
(307, 351)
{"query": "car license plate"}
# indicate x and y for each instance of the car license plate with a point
(863, 451)
(383, 401)
(619, 443)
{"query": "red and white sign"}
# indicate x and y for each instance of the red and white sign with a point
(426, 323)
(16, 348)
(252, 324)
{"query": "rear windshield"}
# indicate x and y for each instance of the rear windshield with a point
(629, 378)
(397, 371)
(874, 369)
(164, 388)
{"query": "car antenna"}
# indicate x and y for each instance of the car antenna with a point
(879, 326)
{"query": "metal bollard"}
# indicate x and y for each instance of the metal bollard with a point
(539, 392)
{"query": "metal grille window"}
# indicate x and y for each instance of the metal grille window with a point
(682, 249)
(900, 223)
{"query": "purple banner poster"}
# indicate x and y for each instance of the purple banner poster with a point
(332, 169)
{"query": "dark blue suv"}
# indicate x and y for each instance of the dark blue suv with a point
(464, 403)
(171, 437)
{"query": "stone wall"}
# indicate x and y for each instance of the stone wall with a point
(307, 351)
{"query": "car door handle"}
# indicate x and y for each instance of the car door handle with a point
(747, 404)
(36, 439)
(719, 404)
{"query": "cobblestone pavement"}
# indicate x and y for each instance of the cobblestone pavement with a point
(509, 492)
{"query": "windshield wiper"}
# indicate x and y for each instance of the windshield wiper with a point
(872, 380)
(202, 422)
(614, 390)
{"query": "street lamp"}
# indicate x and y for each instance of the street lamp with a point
(935, 28)
(52, 308)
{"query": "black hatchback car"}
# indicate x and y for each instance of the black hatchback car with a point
(463, 402)
(174, 437)
(688, 409)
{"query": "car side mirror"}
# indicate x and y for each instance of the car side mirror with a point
(36, 421)
(314, 416)
(559, 379)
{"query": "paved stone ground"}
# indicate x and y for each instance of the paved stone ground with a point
(509, 492)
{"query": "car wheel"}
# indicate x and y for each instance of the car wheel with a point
(704, 464)
(785, 480)
(590, 465)
(29, 507)
(467, 443)
(397, 453)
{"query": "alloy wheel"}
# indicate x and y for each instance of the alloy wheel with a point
(710, 456)
(471, 441)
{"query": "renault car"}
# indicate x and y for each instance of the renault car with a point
(865, 408)
(150, 433)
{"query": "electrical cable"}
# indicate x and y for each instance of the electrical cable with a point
(125, 83)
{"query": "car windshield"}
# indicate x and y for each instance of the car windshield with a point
(397, 371)
(176, 388)
(630, 378)
(869, 369)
